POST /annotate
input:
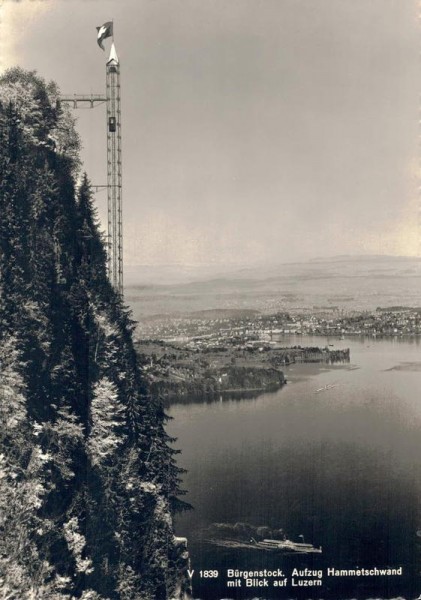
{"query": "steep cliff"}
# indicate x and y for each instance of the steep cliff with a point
(88, 480)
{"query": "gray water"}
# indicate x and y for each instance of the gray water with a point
(342, 467)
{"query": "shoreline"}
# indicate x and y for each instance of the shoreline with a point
(177, 372)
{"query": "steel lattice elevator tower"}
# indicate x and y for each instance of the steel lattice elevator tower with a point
(114, 173)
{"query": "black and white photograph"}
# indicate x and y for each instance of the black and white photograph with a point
(210, 300)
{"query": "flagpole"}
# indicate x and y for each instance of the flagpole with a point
(112, 37)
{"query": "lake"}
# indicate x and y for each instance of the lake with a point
(340, 467)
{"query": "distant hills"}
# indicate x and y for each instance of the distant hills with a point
(180, 274)
(350, 282)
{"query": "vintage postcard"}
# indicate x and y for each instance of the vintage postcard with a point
(210, 300)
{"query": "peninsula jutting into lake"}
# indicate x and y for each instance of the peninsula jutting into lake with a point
(225, 351)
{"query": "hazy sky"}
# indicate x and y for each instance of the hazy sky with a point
(253, 130)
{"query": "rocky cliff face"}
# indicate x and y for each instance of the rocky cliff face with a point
(88, 480)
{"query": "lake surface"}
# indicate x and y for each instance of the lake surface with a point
(341, 467)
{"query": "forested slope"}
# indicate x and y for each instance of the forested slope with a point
(88, 480)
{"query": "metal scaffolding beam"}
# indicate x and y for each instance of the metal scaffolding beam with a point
(76, 99)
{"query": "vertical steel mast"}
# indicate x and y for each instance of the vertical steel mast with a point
(114, 179)
(114, 175)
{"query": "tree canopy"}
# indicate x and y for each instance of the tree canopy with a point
(88, 479)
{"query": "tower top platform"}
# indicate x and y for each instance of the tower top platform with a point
(113, 59)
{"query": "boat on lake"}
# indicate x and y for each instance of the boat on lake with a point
(326, 387)
(289, 546)
(285, 546)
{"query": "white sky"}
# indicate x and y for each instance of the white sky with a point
(254, 131)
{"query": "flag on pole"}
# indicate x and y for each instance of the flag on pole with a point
(104, 31)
